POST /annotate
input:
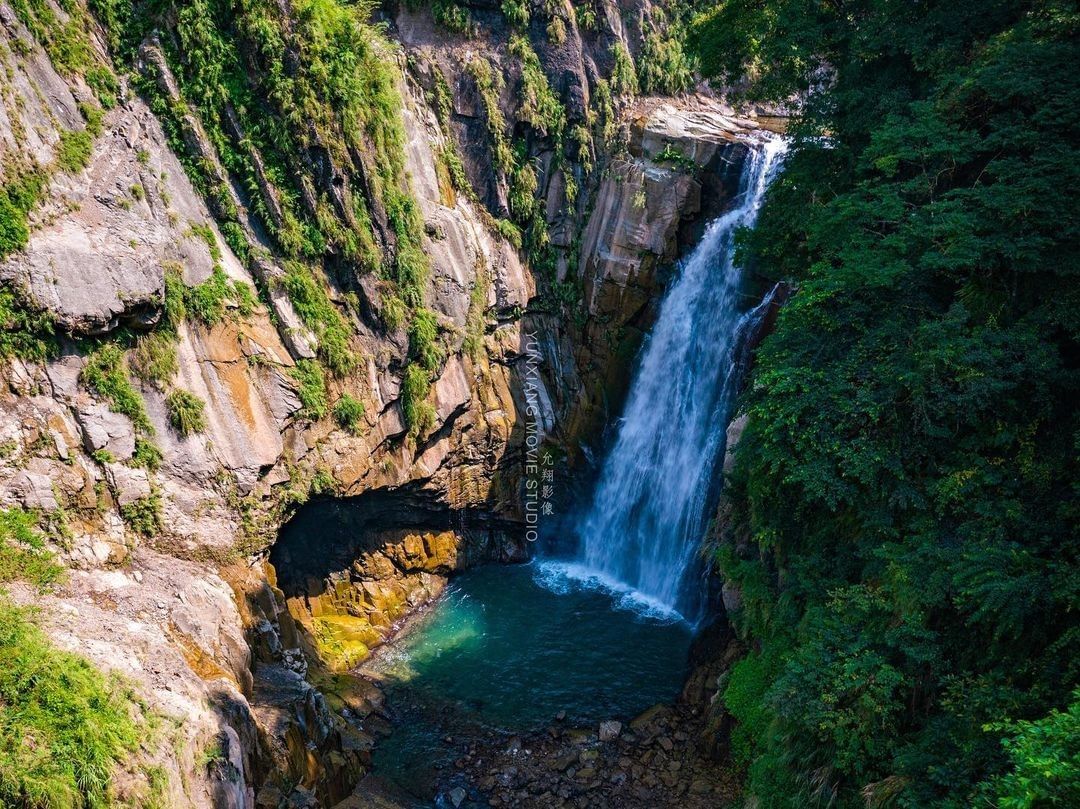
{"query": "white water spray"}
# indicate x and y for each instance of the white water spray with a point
(648, 516)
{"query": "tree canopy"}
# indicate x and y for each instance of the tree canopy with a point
(906, 509)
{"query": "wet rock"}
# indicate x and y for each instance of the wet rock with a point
(610, 730)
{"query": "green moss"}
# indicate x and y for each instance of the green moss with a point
(312, 389)
(105, 373)
(64, 726)
(186, 412)
(348, 413)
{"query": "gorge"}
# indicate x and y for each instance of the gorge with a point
(454, 404)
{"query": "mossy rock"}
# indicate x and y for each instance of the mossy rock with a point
(343, 641)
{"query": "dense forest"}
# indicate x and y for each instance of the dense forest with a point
(898, 548)
(907, 488)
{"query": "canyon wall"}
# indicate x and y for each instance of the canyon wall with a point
(164, 491)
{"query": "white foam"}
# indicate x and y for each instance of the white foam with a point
(561, 577)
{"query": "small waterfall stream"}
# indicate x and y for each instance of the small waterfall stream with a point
(649, 511)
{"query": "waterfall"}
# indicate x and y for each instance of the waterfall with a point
(648, 515)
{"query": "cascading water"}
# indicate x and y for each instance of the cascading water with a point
(648, 514)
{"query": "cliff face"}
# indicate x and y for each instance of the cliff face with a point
(194, 392)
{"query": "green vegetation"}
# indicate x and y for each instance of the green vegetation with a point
(908, 478)
(206, 301)
(663, 66)
(23, 555)
(146, 456)
(143, 516)
(516, 13)
(106, 374)
(63, 725)
(623, 81)
(154, 358)
(24, 332)
(451, 16)
(419, 415)
(348, 413)
(186, 412)
(319, 314)
(73, 152)
(312, 392)
(538, 106)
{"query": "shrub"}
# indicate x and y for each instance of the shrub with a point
(64, 726)
(154, 358)
(419, 415)
(312, 388)
(450, 16)
(623, 76)
(663, 66)
(206, 301)
(186, 412)
(539, 105)
(319, 314)
(143, 516)
(106, 374)
(14, 232)
(146, 456)
(348, 412)
(73, 152)
(423, 337)
(23, 555)
(516, 13)
(24, 331)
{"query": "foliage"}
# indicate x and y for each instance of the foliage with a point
(143, 516)
(419, 415)
(25, 332)
(106, 374)
(319, 314)
(186, 411)
(312, 388)
(348, 413)
(73, 151)
(909, 470)
(146, 456)
(423, 340)
(64, 726)
(1044, 758)
(516, 13)
(663, 66)
(623, 81)
(154, 359)
(18, 196)
(23, 554)
(451, 16)
(206, 301)
(539, 106)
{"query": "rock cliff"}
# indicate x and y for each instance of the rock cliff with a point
(179, 377)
